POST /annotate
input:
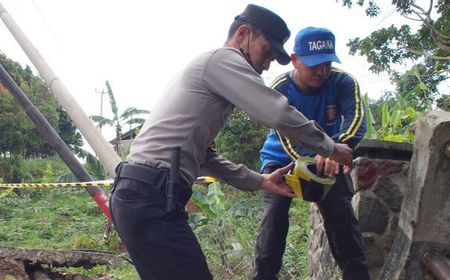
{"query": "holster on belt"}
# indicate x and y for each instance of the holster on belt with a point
(173, 179)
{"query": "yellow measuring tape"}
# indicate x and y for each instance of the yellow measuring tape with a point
(104, 183)
(306, 184)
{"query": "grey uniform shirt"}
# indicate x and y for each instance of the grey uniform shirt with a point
(195, 106)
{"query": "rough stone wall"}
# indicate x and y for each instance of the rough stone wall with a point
(402, 204)
(380, 185)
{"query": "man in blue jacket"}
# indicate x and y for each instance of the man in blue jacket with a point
(331, 97)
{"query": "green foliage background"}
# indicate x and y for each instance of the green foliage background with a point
(425, 52)
(241, 139)
(19, 137)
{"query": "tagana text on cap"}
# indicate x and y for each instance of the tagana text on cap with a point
(314, 45)
(273, 27)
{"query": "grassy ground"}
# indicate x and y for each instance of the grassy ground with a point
(69, 219)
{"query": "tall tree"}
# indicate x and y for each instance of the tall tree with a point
(428, 48)
(444, 102)
(128, 117)
(241, 139)
(68, 132)
(19, 136)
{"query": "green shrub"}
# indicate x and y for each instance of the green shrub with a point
(227, 237)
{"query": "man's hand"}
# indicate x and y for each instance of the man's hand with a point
(329, 167)
(342, 154)
(275, 183)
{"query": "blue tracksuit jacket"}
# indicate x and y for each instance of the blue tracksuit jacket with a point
(337, 107)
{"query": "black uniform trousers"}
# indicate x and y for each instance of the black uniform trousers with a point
(161, 244)
(341, 226)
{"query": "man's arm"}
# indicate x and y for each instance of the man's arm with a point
(352, 110)
(240, 176)
(353, 127)
(237, 175)
(232, 78)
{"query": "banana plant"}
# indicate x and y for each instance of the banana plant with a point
(128, 117)
(397, 122)
(371, 132)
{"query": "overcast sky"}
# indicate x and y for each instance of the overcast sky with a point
(137, 45)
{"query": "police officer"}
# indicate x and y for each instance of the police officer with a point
(147, 203)
(331, 97)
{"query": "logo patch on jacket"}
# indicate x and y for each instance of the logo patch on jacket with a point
(331, 114)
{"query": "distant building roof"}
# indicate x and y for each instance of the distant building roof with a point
(130, 134)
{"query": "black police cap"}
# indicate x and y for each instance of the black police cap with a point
(273, 27)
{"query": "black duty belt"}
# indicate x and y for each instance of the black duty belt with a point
(142, 173)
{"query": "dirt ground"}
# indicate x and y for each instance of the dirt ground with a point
(39, 264)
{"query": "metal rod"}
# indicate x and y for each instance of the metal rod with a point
(438, 265)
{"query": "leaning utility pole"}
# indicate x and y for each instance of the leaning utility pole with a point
(55, 141)
(101, 147)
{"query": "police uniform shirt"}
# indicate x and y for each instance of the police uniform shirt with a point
(195, 106)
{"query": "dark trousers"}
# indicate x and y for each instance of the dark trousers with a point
(341, 226)
(161, 244)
